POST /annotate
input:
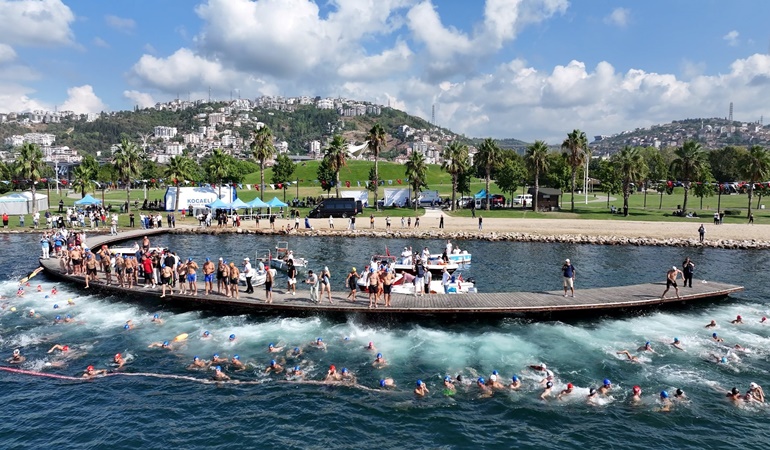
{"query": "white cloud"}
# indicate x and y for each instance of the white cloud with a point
(122, 24)
(619, 17)
(732, 38)
(36, 23)
(99, 42)
(141, 99)
(15, 98)
(82, 99)
(7, 53)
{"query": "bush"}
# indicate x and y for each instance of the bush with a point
(733, 212)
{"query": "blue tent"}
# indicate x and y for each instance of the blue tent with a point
(257, 203)
(238, 203)
(88, 200)
(481, 194)
(275, 203)
(218, 204)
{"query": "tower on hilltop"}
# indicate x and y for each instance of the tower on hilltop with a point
(730, 117)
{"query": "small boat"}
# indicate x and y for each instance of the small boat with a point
(461, 257)
(405, 275)
(282, 255)
(258, 277)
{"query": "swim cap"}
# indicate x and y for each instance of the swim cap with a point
(68, 316)
(272, 362)
(714, 335)
(66, 348)
(379, 355)
(117, 355)
(723, 360)
(515, 378)
(344, 370)
(739, 317)
(195, 358)
(296, 368)
(647, 344)
(371, 344)
(206, 333)
(493, 377)
(190, 260)
(296, 349)
(419, 382)
(480, 380)
(637, 390)
(549, 384)
(165, 343)
(236, 357)
(570, 386)
(21, 289)
(447, 378)
(382, 383)
(673, 267)
(126, 327)
(592, 391)
(676, 339)
(270, 345)
(332, 368)
(680, 392)
(219, 368)
(607, 382)
(371, 270)
(753, 385)
(354, 269)
(347, 338)
(16, 351)
(494, 372)
(663, 394)
(55, 306)
(207, 260)
(319, 340)
(216, 355)
(32, 311)
(232, 336)
(58, 317)
(735, 391)
(542, 365)
(90, 368)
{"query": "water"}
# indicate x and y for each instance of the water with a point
(175, 408)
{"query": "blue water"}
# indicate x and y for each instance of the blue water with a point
(183, 411)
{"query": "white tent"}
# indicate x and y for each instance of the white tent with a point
(358, 195)
(355, 151)
(396, 196)
(197, 197)
(20, 203)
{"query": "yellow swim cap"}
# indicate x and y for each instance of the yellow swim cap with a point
(13, 309)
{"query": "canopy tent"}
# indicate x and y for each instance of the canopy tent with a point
(257, 203)
(275, 203)
(218, 204)
(20, 203)
(481, 194)
(87, 200)
(238, 203)
(355, 151)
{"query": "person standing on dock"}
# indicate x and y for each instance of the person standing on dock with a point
(248, 272)
(269, 286)
(688, 268)
(352, 282)
(701, 233)
(208, 276)
(312, 280)
(671, 277)
(192, 276)
(568, 277)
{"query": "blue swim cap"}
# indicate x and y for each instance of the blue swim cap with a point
(272, 362)
(232, 336)
(714, 335)
(319, 340)
(724, 360)
(494, 372)
(296, 368)
(676, 339)
(55, 306)
(344, 370)
(21, 289)
(515, 378)
(607, 382)
(382, 383)
(663, 394)
(155, 316)
(68, 316)
(126, 327)
(419, 382)
(165, 343)
(195, 358)
(481, 380)
(216, 355)
(236, 357)
(219, 368)
(270, 345)
(207, 260)
(647, 343)
(379, 355)
(206, 333)
(296, 349)
(447, 378)
(58, 317)
(347, 338)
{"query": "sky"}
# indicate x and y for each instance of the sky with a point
(525, 69)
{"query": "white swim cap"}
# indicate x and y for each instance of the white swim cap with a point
(673, 267)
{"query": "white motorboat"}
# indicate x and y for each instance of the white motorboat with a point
(405, 274)
(279, 259)
(460, 257)
(258, 277)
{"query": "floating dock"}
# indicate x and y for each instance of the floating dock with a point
(548, 304)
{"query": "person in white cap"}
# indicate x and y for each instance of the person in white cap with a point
(755, 394)
(671, 277)
(249, 273)
(568, 271)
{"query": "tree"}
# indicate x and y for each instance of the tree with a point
(416, 172)
(511, 174)
(262, 149)
(726, 163)
(576, 145)
(755, 168)
(608, 177)
(85, 173)
(704, 187)
(283, 169)
(372, 184)
(377, 141)
(488, 157)
(128, 163)
(325, 176)
(629, 164)
(689, 160)
(455, 163)
(179, 169)
(657, 169)
(336, 154)
(29, 166)
(536, 160)
(558, 174)
(218, 168)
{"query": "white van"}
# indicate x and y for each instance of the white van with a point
(520, 199)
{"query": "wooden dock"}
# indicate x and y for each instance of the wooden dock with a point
(550, 304)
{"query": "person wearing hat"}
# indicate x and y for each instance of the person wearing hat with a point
(755, 393)
(568, 271)
(248, 272)
(16, 358)
(90, 372)
(671, 277)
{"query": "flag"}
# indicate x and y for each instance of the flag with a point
(390, 182)
(367, 183)
(347, 184)
(398, 181)
(248, 187)
(256, 187)
(272, 186)
(280, 185)
(359, 183)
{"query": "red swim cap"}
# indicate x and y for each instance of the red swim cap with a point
(569, 386)
(117, 355)
(90, 368)
(637, 389)
(332, 368)
(65, 348)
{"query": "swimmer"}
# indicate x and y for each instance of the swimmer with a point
(711, 324)
(129, 325)
(606, 387)
(319, 344)
(68, 319)
(647, 347)
(62, 348)
(543, 368)
(591, 397)
(332, 374)
(274, 367)
(546, 391)
(763, 320)
(20, 292)
(296, 374)
(32, 314)
(636, 395)
(217, 360)
(515, 383)
(485, 390)
(720, 360)
(677, 344)
(236, 362)
(205, 335)
(492, 381)
(164, 344)
(57, 319)
(54, 291)
(630, 357)
(567, 391)
(679, 395)
(70, 302)
(379, 361)
(16, 358)
(197, 363)
(119, 360)
(273, 349)
(734, 395)
(665, 402)
(40, 288)
(716, 338)
(755, 393)
(347, 376)
(739, 348)
(231, 338)
(156, 319)
(449, 384)
(219, 375)
(370, 347)
(738, 320)
(422, 389)
(90, 372)
(294, 353)
(388, 383)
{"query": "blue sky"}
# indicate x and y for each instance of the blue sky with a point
(530, 69)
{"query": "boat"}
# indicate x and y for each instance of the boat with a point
(456, 255)
(282, 255)
(130, 251)
(405, 274)
(258, 277)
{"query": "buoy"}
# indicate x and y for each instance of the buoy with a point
(181, 337)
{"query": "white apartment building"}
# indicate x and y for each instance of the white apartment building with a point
(420, 147)
(282, 147)
(174, 149)
(14, 141)
(192, 138)
(325, 103)
(228, 140)
(216, 118)
(41, 139)
(165, 133)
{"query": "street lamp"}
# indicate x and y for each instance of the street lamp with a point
(587, 155)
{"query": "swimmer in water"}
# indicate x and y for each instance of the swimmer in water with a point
(387, 383)
(734, 395)
(296, 374)
(716, 338)
(62, 348)
(206, 335)
(515, 383)
(485, 390)
(379, 361)
(319, 344)
(332, 374)
(32, 313)
(546, 391)
(591, 397)
(235, 361)
(636, 395)
(711, 324)
(543, 368)
(273, 349)
(679, 395)
(493, 383)
(567, 391)
(54, 291)
(129, 325)
(606, 387)
(274, 367)
(677, 344)
(347, 376)
(763, 320)
(231, 338)
(421, 390)
(156, 319)
(219, 375)
(294, 353)
(164, 344)
(647, 347)
(738, 320)
(70, 302)
(16, 357)
(217, 360)
(57, 320)
(630, 357)
(370, 347)
(449, 384)
(68, 319)
(197, 363)
(40, 288)
(90, 372)
(665, 402)
(118, 360)
(755, 393)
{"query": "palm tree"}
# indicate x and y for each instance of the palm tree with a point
(755, 168)
(536, 159)
(577, 146)
(179, 168)
(488, 157)
(29, 166)
(218, 168)
(377, 141)
(336, 154)
(629, 163)
(128, 164)
(690, 160)
(83, 177)
(416, 172)
(262, 149)
(455, 163)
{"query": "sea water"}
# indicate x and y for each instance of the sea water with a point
(168, 406)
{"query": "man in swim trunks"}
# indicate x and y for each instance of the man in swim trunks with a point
(421, 390)
(291, 281)
(90, 268)
(192, 276)
(387, 285)
(671, 277)
(166, 278)
(208, 276)
(373, 281)
(233, 274)
(221, 276)
(269, 284)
